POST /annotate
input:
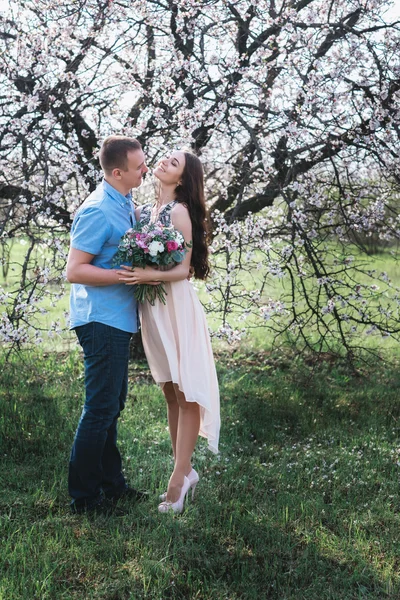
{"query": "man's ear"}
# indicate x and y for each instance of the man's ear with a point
(116, 173)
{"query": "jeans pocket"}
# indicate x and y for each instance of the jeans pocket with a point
(101, 340)
(85, 335)
(98, 339)
(94, 338)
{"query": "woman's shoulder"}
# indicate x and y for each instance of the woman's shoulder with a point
(142, 210)
(180, 208)
(180, 218)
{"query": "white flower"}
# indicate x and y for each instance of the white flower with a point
(155, 247)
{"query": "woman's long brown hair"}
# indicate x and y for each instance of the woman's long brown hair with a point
(191, 193)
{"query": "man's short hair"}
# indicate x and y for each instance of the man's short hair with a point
(114, 152)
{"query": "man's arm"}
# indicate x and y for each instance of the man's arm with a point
(79, 270)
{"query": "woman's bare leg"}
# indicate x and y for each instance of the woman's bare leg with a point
(172, 413)
(186, 438)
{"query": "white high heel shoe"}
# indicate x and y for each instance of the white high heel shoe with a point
(194, 480)
(176, 507)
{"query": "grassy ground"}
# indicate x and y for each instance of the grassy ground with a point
(301, 504)
(259, 337)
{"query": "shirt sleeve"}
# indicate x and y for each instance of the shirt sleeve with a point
(90, 231)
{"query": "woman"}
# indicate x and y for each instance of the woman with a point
(175, 335)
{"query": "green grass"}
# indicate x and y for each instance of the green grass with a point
(260, 336)
(301, 504)
(51, 310)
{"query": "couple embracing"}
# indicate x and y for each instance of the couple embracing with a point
(104, 314)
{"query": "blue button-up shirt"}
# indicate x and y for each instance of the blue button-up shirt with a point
(98, 226)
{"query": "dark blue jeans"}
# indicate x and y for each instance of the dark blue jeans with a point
(95, 463)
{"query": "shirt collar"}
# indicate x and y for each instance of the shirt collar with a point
(116, 195)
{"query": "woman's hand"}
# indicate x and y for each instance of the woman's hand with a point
(137, 275)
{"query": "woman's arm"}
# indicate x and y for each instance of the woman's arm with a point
(138, 211)
(181, 221)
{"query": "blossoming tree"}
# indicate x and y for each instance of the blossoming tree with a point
(294, 108)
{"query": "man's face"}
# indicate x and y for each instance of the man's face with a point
(135, 169)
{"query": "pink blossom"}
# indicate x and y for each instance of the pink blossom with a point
(171, 246)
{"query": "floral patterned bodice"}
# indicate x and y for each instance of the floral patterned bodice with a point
(164, 216)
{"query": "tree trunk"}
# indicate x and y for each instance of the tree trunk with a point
(136, 351)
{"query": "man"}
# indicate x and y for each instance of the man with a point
(104, 316)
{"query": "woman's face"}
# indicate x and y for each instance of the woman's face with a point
(170, 169)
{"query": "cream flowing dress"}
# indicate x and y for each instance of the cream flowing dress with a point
(178, 347)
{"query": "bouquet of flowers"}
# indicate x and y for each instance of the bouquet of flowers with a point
(152, 244)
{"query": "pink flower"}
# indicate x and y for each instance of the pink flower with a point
(171, 246)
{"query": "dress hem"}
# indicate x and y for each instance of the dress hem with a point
(213, 449)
